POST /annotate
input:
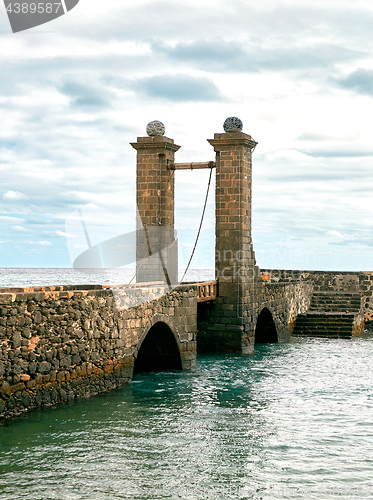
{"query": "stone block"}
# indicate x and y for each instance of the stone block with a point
(17, 387)
(44, 367)
(26, 399)
(5, 388)
(65, 362)
(235, 328)
(75, 359)
(216, 327)
(21, 297)
(26, 333)
(78, 333)
(16, 340)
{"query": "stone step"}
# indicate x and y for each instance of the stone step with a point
(335, 308)
(335, 302)
(317, 332)
(324, 335)
(317, 316)
(345, 293)
(336, 296)
(330, 315)
(353, 303)
(307, 330)
(324, 324)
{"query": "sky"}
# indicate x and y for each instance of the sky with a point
(76, 91)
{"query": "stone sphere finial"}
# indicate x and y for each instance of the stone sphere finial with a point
(155, 128)
(233, 124)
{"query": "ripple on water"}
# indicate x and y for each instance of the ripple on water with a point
(289, 421)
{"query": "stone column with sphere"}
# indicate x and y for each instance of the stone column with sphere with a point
(156, 246)
(235, 264)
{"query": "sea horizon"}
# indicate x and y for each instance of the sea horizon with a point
(54, 276)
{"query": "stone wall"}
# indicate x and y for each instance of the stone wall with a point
(332, 280)
(219, 327)
(57, 344)
(285, 301)
(323, 281)
(366, 288)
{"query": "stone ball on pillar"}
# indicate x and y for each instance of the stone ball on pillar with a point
(233, 124)
(155, 128)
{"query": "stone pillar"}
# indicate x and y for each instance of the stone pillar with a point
(156, 247)
(234, 256)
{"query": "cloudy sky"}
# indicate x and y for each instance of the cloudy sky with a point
(76, 91)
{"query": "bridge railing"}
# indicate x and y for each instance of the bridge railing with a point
(207, 290)
(134, 285)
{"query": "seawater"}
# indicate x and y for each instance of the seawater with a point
(290, 421)
(20, 277)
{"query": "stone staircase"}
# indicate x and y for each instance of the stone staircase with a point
(332, 315)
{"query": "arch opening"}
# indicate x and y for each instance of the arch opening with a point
(265, 331)
(159, 351)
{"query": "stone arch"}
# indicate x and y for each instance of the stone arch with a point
(159, 346)
(265, 330)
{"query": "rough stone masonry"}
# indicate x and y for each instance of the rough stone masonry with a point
(60, 343)
(57, 343)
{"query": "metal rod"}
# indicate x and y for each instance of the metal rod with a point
(191, 166)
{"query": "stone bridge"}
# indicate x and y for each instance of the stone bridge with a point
(58, 343)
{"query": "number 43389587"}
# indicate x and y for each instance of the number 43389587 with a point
(33, 8)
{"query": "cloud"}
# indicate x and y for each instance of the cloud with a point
(179, 88)
(21, 229)
(248, 56)
(38, 221)
(60, 233)
(288, 155)
(361, 81)
(342, 152)
(73, 102)
(63, 234)
(14, 195)
(86, 96)
(43, 243)
(212, 55)
(336, 234)
(313, 136)
(11, 219)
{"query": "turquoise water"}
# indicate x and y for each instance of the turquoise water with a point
(292, 420)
